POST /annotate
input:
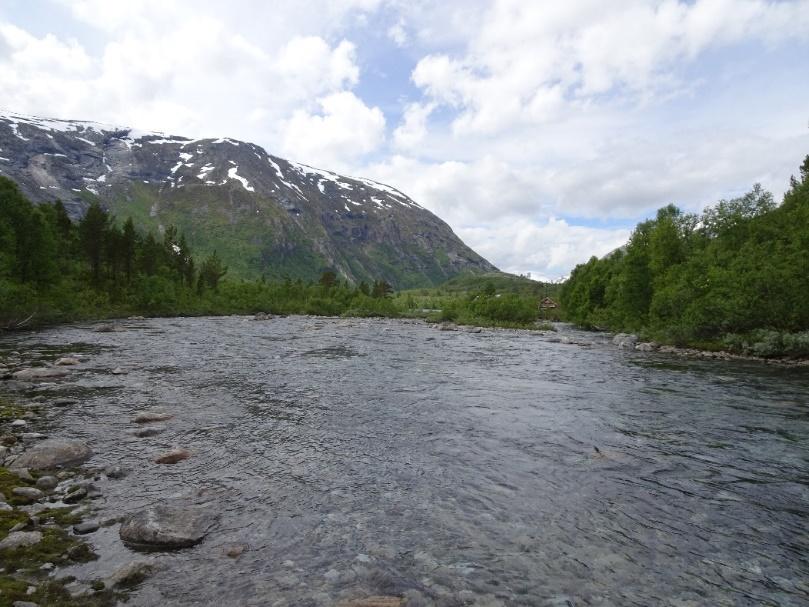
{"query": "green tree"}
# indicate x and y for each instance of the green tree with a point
(92, 231)
(129, 241)
(210, 273)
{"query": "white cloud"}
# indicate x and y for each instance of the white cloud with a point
(345, 130)
(547, 249)
(527, 58)
(398, 34)
(413, 128)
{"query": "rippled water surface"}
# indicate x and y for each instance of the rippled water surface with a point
(358, 457)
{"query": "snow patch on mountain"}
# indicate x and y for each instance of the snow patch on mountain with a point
(232, 174)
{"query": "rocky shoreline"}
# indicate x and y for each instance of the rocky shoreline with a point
(630, 341)
(49, 489)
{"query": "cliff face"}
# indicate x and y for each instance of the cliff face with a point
(264, 215)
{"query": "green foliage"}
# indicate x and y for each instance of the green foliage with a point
(742, 268)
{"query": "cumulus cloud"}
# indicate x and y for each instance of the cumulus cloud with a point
(546, 249)
(528, 58)
(205, 72)
(344, 130)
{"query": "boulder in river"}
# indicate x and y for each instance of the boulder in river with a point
(649, 346)
(166, 526)
(37, 373)
(149, 431)
(53, 453)
(173, 456)
(66, 361)
(147, 417)
(86, 527)
(625, 340)
(130, 575)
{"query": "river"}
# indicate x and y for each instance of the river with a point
(355, 457)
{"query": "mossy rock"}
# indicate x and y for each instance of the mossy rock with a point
(56, 547)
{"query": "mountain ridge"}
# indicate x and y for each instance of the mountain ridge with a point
(267, 216)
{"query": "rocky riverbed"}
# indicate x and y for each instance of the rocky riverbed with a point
(311, 461)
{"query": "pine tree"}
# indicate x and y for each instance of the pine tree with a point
(92, 230)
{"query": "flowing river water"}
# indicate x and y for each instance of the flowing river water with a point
(355, 457)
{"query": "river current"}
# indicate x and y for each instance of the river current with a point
(355, 457)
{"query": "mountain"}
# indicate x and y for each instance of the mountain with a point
(264, 215)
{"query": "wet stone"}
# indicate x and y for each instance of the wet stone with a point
(174, 456)
(28, 493)
(36, 373)
(149, 431)
(86, 527)
(75, 496)
(130, 575)
(147, 417)
(53, 453)
(46, 483)
(115, 472)
(168, 526)
(67, 361)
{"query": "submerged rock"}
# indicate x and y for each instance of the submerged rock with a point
(374, 601)
(130, 574)
(235, 551)
(151, 416)
(53, 453)
(20, 539)
(86, 527)
(173, 456)
(35, 373)
(66, 361)
(76, 495)
(149, 431)
(166, 526)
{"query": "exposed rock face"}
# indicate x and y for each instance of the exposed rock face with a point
(263, 214)
(166, 526)
(53, 453)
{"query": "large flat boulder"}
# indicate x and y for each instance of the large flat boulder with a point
(166, 527)
(53, 453)
(37, 373)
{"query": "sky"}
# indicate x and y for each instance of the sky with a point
(541, 131)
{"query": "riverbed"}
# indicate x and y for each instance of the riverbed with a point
(351, 457)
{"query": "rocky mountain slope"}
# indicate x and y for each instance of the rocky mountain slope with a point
(264, 215)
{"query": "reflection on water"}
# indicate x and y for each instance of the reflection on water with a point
(360, 457)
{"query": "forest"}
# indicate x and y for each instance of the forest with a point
(734, 277)
(53, 270)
